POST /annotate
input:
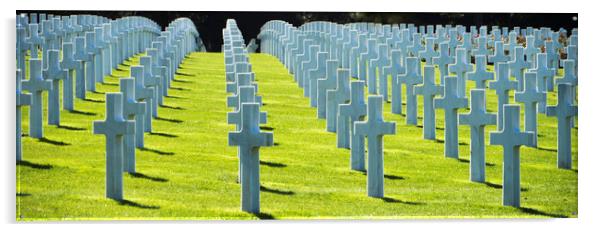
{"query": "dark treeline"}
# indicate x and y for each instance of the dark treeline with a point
(210, 24)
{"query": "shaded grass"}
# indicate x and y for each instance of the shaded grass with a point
(193, 175)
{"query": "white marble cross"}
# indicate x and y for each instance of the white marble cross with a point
(22, 99)
(461, 67)
(348, 114)
(531, 97)
(410, 78)
(249, 139)
(450, 103)
(374, 128)
(337, 96)
(502, 85)
(477, 119)
(511, 138)
(428, 90)
(143, 94)
(55, 73)
(114, 127)
(131, 109)
(563, 111)
(329, 82)
(480, 75)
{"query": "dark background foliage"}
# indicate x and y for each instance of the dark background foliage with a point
(210, 24)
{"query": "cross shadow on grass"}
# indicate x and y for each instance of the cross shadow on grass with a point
(147, 177)
(109, 83)
(180, 89)
(34, 165)
(172, 120)
(393, 200)
(136, 204)
(462, 160)
(276, 191)
(266, 128)
(499, 186)
(183, 74)
(83, 112)
(547, 149)
(459, 143)
(387, 176)
(272, 164)
(264, 216)
(94, 100)
(175, 97)
(538, 212)
(163, 134)
(53, 142)
(158, 152)
(172, 107)
(72, 128)
(23, 194)
(436, 128)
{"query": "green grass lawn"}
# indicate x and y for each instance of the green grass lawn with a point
(187, 170)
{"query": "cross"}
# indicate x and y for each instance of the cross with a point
(49, 36)
(71, 65)
(306, 66)
(502, 85)
(374, 128)
(55, 73)
(249, 139)
(518, 65)
(379, 64)
(428, 90)
(460, 68)
(162, 67)
(246, 95)
(329, 82)
(22, 47)
(498, 54)
(443, 61)
(114, 127)
(543, 75)
(160, 75)
(131, 109)
(365, 57)
(429, 51)
(337, 96)
(569, 77)
(511, 44)
(511, 138)
(531, 51)
(22, 99)
(395, 70)
(450, 103)
(99, 54)
(416, 45)
(531, 97)
(466, 44)
(34, 40)
(152, 81)
(563, 111)
(143, 94)
(552, 58)
(238, 98)
(90, 65)
(355, 45)
(349, 113)
(571, 54)
(242, 78)
(83, 59)
(480, 75)
(481, 47)
(314, 76)
(405, 42)
(410, 78)
(477, 119)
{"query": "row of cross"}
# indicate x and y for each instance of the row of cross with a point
(97, 52)
(323, 56)
(240, 82)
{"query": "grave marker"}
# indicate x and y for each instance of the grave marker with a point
(143, 94)
(450, 103)
(429, 90)
(349, 114)
(329, 82)
(460, 68)
(114, 127)
(480, 75)
(22, 99)
(531, 97)
(502, 85)
(131, 110)
(563, 111)
(477, 119)
(511, 138)
(249, 139)
(517, 66)
(410, 78)
(55, 73)
(337, 96)
(374, 129)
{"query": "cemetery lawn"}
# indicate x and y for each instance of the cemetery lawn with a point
(187, 170)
